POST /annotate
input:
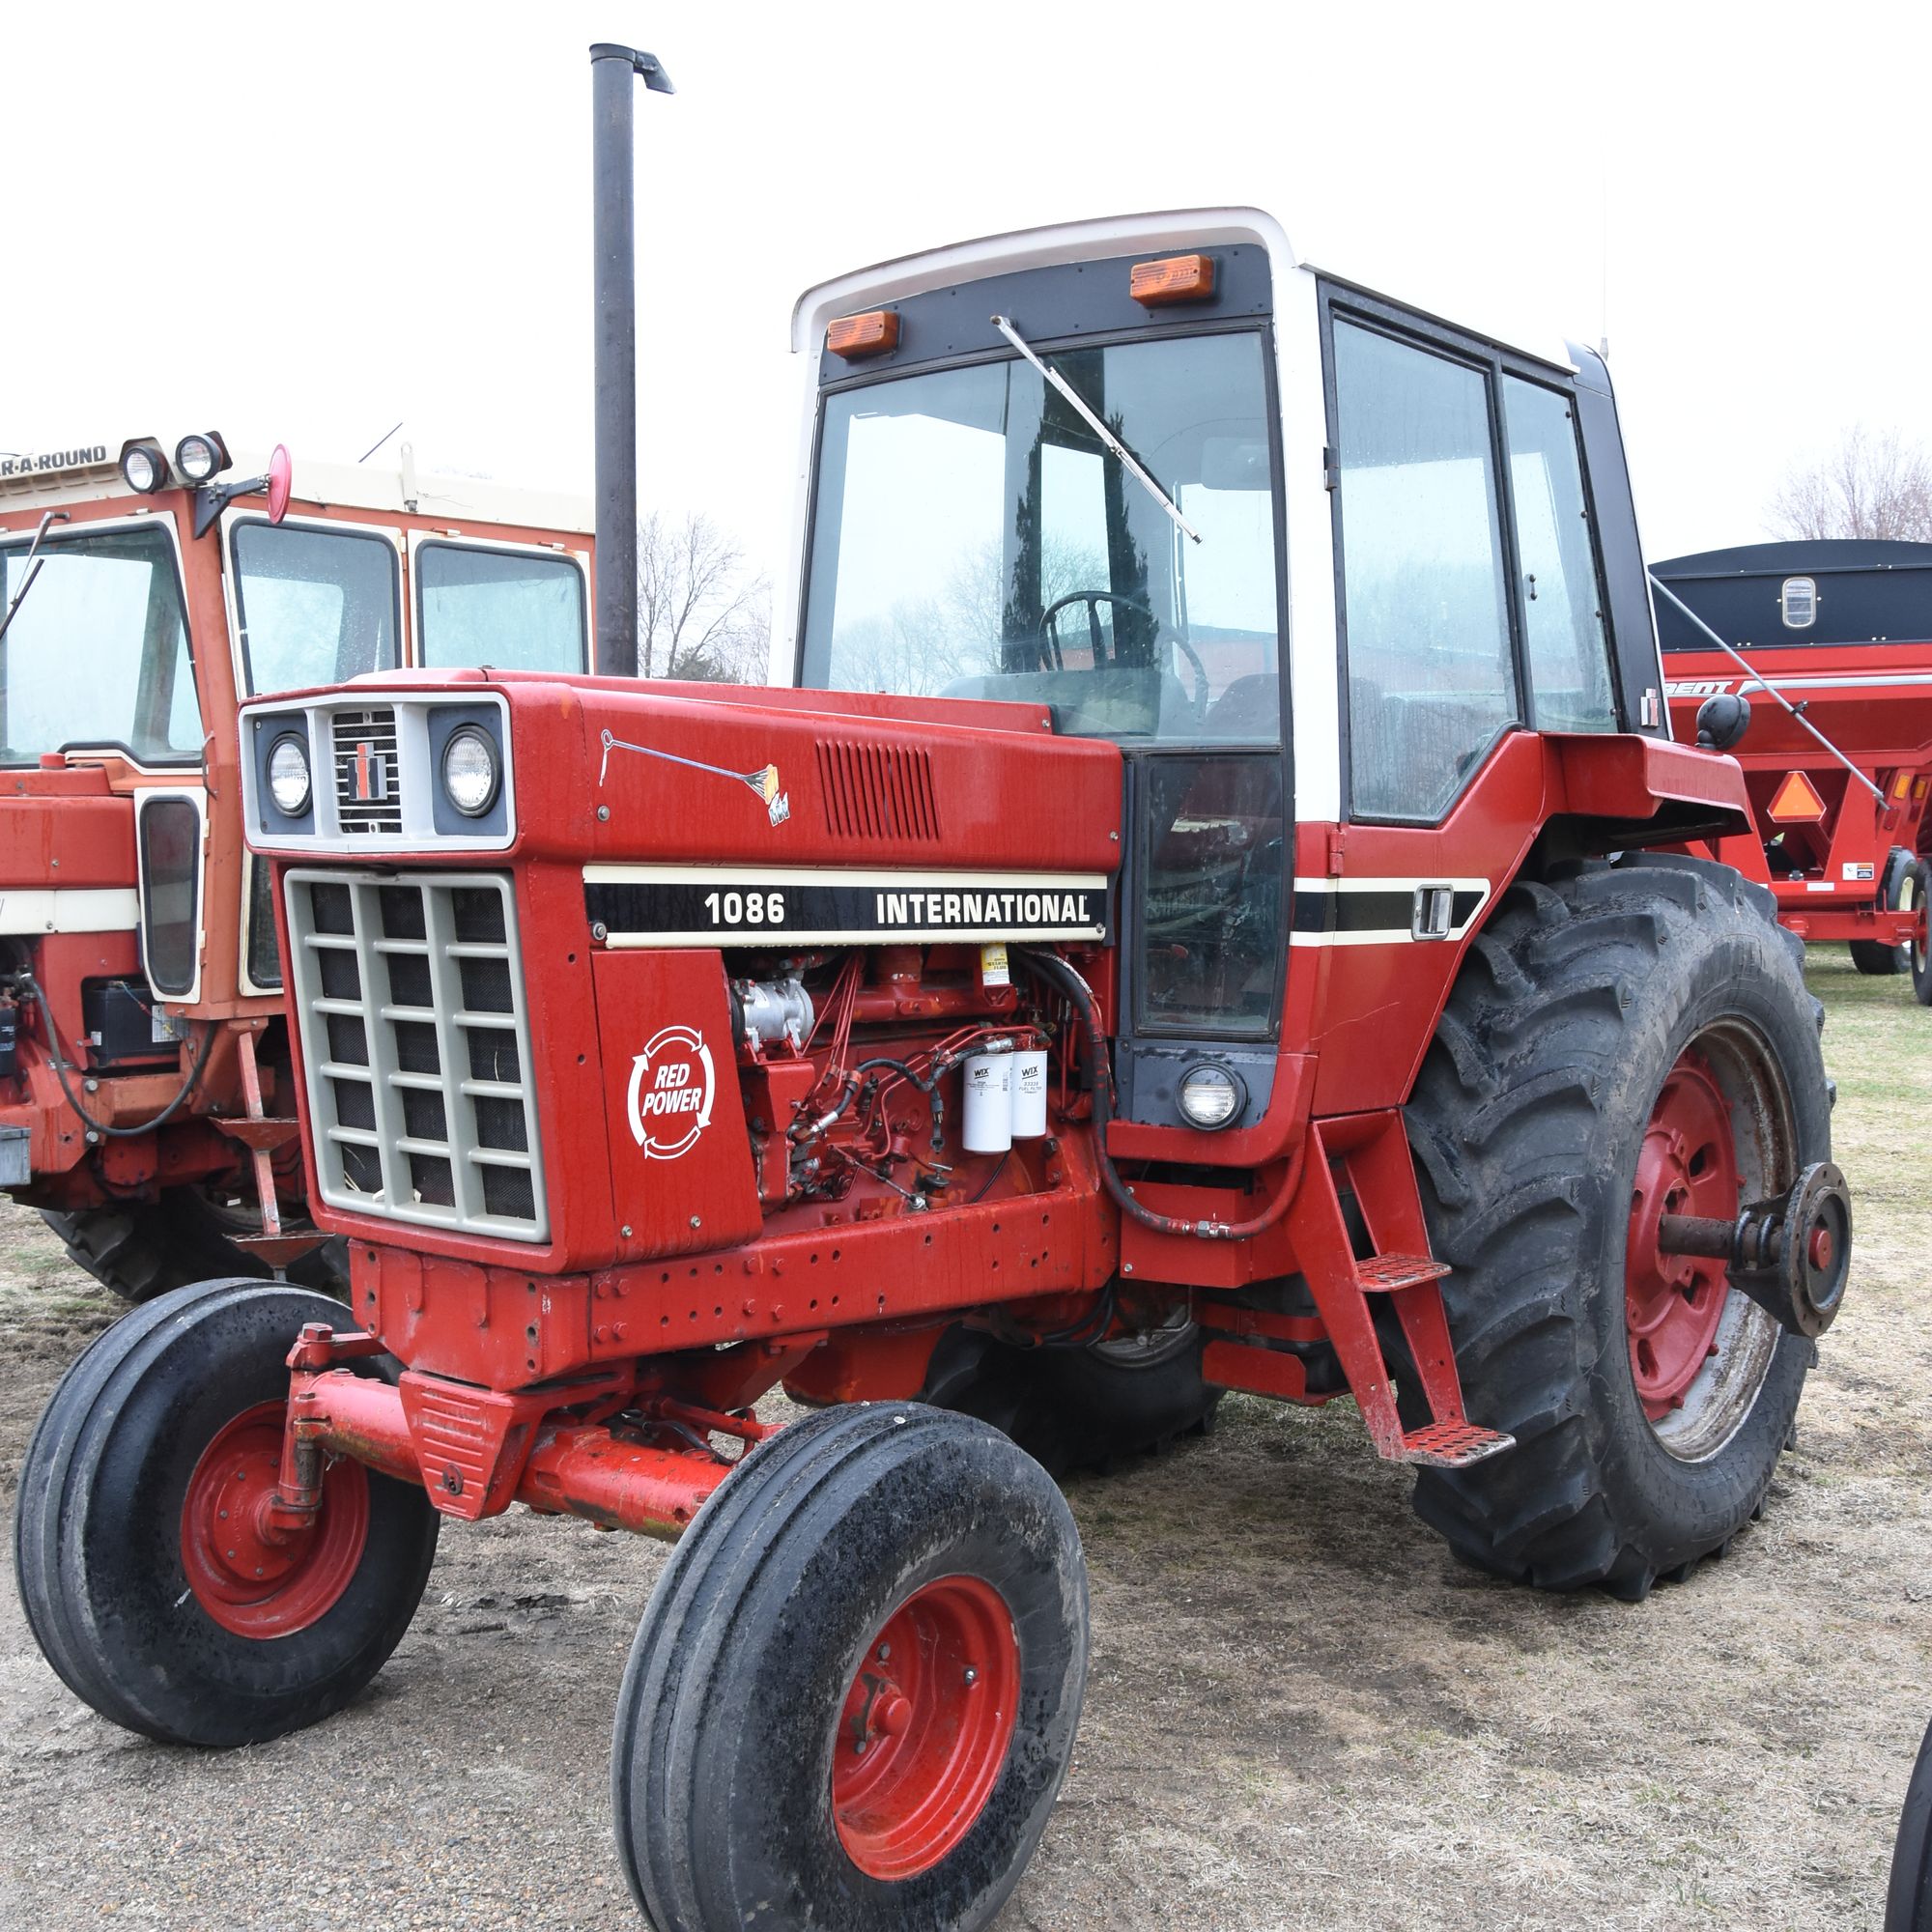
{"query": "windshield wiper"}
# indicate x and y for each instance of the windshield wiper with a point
(1100, 429)
(33, 569)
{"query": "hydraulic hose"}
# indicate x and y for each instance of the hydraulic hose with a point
(61, 1069)
(1056, 972)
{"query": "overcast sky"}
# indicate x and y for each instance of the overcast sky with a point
(301, 224)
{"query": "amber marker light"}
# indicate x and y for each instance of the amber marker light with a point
(1179, 278)
(873, 333)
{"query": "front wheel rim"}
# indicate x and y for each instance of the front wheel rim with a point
(256, 1584)
(924, 1727)
(1719, 1134)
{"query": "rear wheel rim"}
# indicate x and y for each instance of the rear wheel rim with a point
(924, 1727)
(1719, 1135)
(251, 1584)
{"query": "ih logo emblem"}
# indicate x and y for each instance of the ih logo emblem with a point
(672, 1086)
(369, 776)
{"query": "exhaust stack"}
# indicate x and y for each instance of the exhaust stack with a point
(613, 177)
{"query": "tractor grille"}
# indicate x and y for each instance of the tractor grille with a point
(368, 773)
(413, 1026)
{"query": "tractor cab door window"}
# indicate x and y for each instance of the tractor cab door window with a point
(1432, 679)
(517, 608)
(316, 604)
(1567, 644)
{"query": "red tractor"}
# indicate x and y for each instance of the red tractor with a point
(1209, 913)
(146, 1105)
(1829, 645)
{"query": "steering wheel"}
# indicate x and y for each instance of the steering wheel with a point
(1093, 599)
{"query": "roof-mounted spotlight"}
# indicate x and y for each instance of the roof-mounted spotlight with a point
(144, 469)
(199, 458)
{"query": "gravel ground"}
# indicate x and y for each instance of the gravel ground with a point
(1301, 1712)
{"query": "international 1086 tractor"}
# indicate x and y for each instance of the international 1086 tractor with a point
(145, 1104)
(1204, 914)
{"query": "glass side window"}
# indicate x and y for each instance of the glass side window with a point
(1562, 599)
(513, 608)
(1431, 677)
(972, 538)
(97, 651)
(315, 605)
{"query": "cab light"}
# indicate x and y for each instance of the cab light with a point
(197, 458)
(288, 782)
(1211, 1095)
(470, 774)
(144, 469)
(1177, 278)
(876, 333)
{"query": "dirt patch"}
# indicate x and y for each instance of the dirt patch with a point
(1301, 1712)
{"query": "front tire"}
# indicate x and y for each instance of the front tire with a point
(1628, 1041)
(853, 1697)
(1908, 1902)
(1918, 952)
(144, 1580)
(1895, 894)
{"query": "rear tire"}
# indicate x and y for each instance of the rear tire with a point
(1609, 1035)
(740, 1794)
(1908, 1901)
(140, 1249)
(1074, 1407)
(122, 1494)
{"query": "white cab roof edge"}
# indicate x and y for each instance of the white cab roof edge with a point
(1118, 234)
(361, 485)
(1031, 249)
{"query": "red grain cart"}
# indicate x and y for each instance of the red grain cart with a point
(1125, 967)
(1842, 632)
(146, 1106)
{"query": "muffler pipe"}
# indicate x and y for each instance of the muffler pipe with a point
(613, 240)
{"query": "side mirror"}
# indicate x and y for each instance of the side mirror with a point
(212, 499)
(1721, 721)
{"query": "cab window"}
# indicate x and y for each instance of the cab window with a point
(1426, 604)
(1564, 635)
(315, 605)
(517, 610)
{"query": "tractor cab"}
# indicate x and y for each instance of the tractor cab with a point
(145, 595)
(1326, 570)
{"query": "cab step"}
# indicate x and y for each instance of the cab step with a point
(1452, 1445)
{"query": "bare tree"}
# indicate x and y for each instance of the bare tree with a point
(1871, 485)
(701, 612)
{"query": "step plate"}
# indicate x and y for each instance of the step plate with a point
(1385, 1275)
(1452, 1445)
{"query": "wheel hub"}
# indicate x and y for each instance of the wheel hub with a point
(254, 1579)
(1674, 1303)
(925, 1726)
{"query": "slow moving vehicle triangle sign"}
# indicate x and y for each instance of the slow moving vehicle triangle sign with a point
(1796, 801)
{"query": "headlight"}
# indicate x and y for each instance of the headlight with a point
(288, 774)
(470, 774)
(199, 457)
(1211, 1095)
(144, 469)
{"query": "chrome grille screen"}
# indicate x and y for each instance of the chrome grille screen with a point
(368, 773)
(416, 1038)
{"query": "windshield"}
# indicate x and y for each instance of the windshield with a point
(974, 538)
(98, 652)
(316, 606)
(511, 609)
